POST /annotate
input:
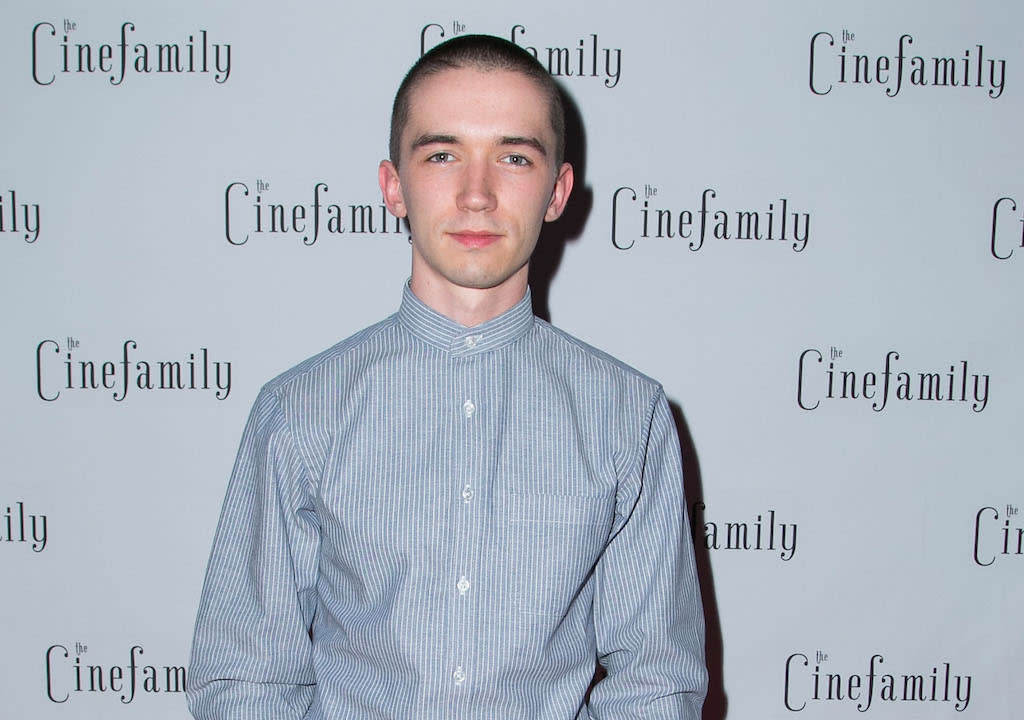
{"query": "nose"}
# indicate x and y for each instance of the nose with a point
(477, 188)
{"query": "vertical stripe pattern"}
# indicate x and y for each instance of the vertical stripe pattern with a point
(433, 521)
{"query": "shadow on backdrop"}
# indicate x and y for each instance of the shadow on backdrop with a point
(543, 267)
(717, 704)
(548, 255)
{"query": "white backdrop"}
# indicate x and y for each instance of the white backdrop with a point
(860, 554)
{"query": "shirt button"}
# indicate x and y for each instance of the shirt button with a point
(459, 676)
(468, 408)
(471, 341)
(467, 493)
(462, 585)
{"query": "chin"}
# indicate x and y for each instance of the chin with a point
(479, 283)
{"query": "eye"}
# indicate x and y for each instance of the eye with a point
(440, 157)
(516, 159)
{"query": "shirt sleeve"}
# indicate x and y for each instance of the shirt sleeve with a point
(648, 617)
(252, 650)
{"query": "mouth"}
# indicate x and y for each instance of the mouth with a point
(474, 238)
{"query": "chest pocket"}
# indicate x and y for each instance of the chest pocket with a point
(554, 543)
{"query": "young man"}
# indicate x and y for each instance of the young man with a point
(457, 512)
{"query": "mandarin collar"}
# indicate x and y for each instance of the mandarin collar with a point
(445, 334)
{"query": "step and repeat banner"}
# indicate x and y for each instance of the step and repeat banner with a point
(806, 219)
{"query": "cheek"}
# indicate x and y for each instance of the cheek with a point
(421, 207)
(541, 198)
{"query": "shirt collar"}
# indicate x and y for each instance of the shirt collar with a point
(444, 333)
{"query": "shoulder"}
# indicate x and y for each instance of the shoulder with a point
(329, 365)
(591, 361)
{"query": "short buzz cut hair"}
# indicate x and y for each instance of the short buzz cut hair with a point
(482, 52)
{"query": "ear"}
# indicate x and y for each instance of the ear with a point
(391, 188)
(560, 193)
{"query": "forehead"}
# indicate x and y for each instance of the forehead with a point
(506, 102)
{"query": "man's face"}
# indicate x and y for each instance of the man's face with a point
(477, 177)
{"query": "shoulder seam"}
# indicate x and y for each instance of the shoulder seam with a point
(342, 347)
(596, 353)
(645, 435)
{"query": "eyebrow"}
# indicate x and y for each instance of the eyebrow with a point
(433, 140)
(529, 141)
(437, 139)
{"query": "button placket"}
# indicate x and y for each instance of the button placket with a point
(468, 410)
(466, 461)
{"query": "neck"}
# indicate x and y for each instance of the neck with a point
(469, 306)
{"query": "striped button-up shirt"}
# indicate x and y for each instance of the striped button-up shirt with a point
(434, 521)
